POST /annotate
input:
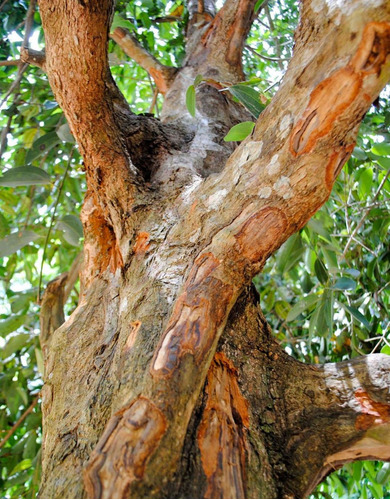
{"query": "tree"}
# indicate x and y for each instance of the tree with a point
(166, 380)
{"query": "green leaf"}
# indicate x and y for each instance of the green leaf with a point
(344, 284)
(282, 308)
(258, 4)
(11, 324)
(198, 80)
(381, 149)
(352, 272)
(145, 20)
(30, 448)
(359, 154)
(321, 272)
(191, 100)
(306, 282)
(42, 145)
(249, 97)
(119, 22)
(301, 306)
(239, 132)
(386, 350)
(23, 465)
(24, 176)
(356, 314)
(365, 182)
(318, 227)
(40, 363)
(15, 344)
(15, 241)
(73, 229)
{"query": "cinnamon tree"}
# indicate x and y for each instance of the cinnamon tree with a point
(166, 380)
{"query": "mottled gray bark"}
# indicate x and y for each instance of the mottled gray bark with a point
(167, 371)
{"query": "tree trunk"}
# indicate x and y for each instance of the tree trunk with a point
(166, 381)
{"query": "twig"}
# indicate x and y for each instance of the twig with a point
(20, 420)
(161, 74)
(154, 101)
(29, 23)
(266, 58)
(15, 83)
(51, 225)
(3, 136)
(22, 67)
(3, 4)
(11, 62)
(359, 225)
(271, 86)
(276, 41)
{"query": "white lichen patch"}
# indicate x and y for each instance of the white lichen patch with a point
(214, 201)
(123, 305)
(189, 190)
(265, 192)
(249, 151)
(283, 188)
(274, 165)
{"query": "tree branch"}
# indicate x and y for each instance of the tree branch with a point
(200, 12)
(270, 187)
(33, 57)
(52, 304)
(162, 75)
(77, 59)
(226, 35)
(20, 420)
(336, 413)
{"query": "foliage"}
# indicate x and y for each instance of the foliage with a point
(326, 300)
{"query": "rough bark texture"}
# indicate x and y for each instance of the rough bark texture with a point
(165, 381)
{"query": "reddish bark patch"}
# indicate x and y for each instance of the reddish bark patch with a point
(373, 50)
(100, 246)
(327, 102)
(336, 163)
(135, 326)
(116, 260)
(120, 457)
(222, 432)
(335, 94)
(372, 412)
(198, 312)
(141, 243)
(261, 233)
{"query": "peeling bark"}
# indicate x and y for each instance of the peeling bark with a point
(176, 224)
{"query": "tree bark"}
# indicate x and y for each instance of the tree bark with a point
(166, 381)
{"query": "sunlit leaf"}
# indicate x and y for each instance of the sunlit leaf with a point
(191, 100)
(239, 132)
(42, 145)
